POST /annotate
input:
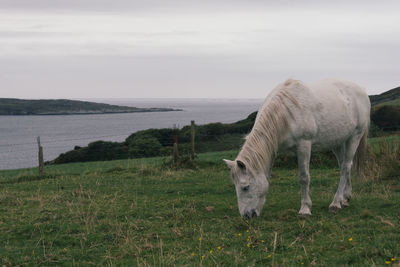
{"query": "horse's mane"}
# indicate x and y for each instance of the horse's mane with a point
(271, 124)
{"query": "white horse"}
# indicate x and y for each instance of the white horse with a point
(299, 117)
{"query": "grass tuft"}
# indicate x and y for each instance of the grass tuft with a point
(383, 160)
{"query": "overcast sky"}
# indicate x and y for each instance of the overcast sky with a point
(208, 48)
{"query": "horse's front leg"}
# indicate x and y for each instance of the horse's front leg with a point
(303, 159)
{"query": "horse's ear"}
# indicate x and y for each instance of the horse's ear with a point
(241, 165)
(229, 163)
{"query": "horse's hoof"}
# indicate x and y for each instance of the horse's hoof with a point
(345, 203)
(334, 208)
(305, 211)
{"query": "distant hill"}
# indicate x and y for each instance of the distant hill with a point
(385, 111)
(389, 97)
(13, 106)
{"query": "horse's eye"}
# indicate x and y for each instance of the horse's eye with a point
(245, 188)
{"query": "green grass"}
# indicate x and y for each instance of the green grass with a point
(390, 140)
(140, 213)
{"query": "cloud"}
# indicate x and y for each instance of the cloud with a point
(193, 48)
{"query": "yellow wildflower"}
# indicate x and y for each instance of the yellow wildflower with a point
(388, 262)
(211, 251)
(219, 247)
(262, 241)
(247, 230)
(350, 239)
(269, 256)
(202, 257)
(248, 245)
(239, 234)
(393, 259)
(200, 238)
(193, 254)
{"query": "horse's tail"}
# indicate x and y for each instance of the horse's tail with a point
(361, 154)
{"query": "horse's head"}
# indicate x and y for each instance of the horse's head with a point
(250, 189)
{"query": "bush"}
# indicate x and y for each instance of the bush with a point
(211, 131)
(95, 151)
(144, 146)
(164, 136)
(374, 130)
(386, 117)
(102, 150)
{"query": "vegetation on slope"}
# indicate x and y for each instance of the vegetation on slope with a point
(12, 106)
(385, 111)
(387, 96)
(386, 117)
(142, 213)
(159, 142)
(395, 102)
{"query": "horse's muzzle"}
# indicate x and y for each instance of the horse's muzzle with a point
(250, 214)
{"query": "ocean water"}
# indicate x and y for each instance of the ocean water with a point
(58, 134)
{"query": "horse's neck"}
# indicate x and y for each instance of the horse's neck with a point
(262, 144)
(259, 153)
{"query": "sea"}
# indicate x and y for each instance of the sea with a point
(61, 133)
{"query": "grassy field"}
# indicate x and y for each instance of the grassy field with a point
(143, 213)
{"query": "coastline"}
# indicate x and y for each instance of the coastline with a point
(94, 112)
(16, 107)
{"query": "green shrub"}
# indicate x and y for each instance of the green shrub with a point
(374, 130)
(386, 117)
(144, 146)
(164, 136)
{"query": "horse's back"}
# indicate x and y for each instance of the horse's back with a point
(330, 112)
(341, 100)
(342, 91)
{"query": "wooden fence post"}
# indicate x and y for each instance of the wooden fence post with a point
(41, 164)
(192, 125)
(176, 152)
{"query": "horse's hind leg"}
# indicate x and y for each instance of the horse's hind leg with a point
(345, 155)
(340, 156)
(347, 190)
(303, 159)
